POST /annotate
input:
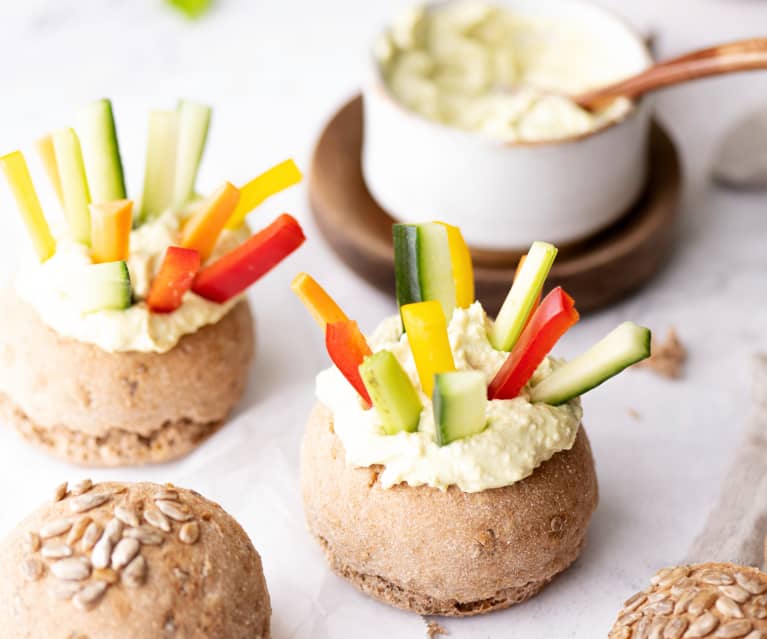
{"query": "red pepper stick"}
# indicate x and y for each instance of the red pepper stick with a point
(348, 348)
(231, 274)
(553, 317)
(174, 278)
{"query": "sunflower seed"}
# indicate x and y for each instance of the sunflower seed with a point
(655, 597)
(189, 533)
(174, 510)
(102, 553)
(736, 593)
(114, 489)
(63, 590)
(124, 553)
(620, 633)
(728, 607)
(684, 601)
(106, 574)
(89, 596)
(31, 542)
(56, 550)
(660, 608)
(134, 574)
(633, 602)
(754, 585)
(755, 610)
(60, 492)
(55, 528)
(756, 634)
(32, 568)
(127, 515)
(734, 629)
(114, 530)
(716, 578)
(87, 502)
(702, 602)
(167, 494)
(642, 629)
(145, 535)
(672, 576)
(72, 569)
(656, 629)
(681, 586)
(91, 535)
(629, 619)
(155, 518)
(675, 628)
(702, 626)
(78, 530)
(81, 487)
(661, 574)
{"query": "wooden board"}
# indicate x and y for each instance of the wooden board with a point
(596, 272)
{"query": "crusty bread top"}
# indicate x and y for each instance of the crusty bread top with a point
(119, 561)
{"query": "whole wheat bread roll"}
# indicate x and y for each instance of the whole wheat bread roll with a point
(445, 552)
(96, 408)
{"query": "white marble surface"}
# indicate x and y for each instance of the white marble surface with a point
(275, 70)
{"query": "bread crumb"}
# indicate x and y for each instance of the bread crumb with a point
(667, 357)
(433, 629)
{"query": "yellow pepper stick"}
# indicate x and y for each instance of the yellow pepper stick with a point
(427, 333)
(48, 158)
(201, 232)
(260, 188)
(110, 230)
(463, 270)
(323, 308)
(15, 168)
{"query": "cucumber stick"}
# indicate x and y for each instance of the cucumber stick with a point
(102, 287)
(460, 404)
(423, 265)
(193, 124)
(392, 393)
(524, 291)
(101, 152)
(160, 167)
(74, 184)
(624, 346)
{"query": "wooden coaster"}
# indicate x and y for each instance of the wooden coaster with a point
(596, 272)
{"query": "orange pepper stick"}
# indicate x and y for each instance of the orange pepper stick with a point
(203, 229)
(323, 308)
(348, 348)
(110, 230)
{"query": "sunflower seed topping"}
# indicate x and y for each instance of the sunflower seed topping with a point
(124, 553)
(31, 542)
(134, 574)
(145, 535)
(88, 501)
(114, 530)
(702, 626)
(633, 602)
(56, 550)
(32, 569)
(127, 515)
(64, 590)
(189, 533)
(728, 607)
(55, 528)
(167, 494)
(716, 578)
(675, 628)
(91, 535)
(106, 574)
(78, 530)
(90, 595)
(60, 492)
(756, 634)
(102, 552)
(734, 629)
(81, 487)
(155, 518)
(751, 584)
(72, 569)
(736, 593)
(174, 510)
(702, 602)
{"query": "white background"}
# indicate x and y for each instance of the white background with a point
(275, 71)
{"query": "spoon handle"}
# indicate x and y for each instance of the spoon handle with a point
(744, 55)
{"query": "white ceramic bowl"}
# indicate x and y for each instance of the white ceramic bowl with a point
(506, 195)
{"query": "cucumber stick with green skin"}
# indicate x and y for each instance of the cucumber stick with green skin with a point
(74, 184)
(160, 167)
(103, 287)
(524, 291)
(460, 404)
(392, 393)
(423, 266)
(193, 125)
(101, 152)
(624, 346)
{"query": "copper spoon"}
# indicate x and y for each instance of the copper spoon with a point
(744, 55)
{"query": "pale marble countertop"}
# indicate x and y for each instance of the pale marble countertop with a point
(275, 71)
